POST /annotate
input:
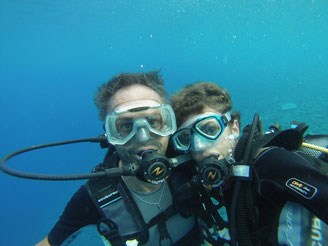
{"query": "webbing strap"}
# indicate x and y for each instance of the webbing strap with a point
(163, 216)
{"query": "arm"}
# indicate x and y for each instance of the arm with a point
(285, 175)
(79, 212)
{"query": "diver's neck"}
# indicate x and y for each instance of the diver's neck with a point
(137, 185)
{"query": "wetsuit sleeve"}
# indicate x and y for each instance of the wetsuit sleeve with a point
(79, 212)
(284, 175)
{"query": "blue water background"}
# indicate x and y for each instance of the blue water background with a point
(54, 55)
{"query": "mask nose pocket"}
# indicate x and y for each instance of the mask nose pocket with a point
(199, 143)
(142, 134)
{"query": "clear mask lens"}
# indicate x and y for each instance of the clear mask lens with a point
(181, 140)
(202, 133)
(209, 127)
(123, 125)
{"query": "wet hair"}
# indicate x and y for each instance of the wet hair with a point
(153, 80)
(194, 98)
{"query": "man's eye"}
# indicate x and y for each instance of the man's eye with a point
(124, 127)
(155, 122)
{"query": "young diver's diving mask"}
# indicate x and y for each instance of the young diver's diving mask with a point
(126, 122)
(208, 128)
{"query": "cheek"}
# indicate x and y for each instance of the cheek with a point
(164, 143)
(223, 146)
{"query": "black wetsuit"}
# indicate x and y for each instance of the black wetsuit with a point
(289, 201)
(79, 212)
(301, 182)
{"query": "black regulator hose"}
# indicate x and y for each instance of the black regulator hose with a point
(154, 167)
(112, 172)
(238, 204)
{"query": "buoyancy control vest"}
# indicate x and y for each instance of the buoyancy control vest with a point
(122, 220)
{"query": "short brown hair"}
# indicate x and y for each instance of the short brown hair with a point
(153, 80)
(193, 98)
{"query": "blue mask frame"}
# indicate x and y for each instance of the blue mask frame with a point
(194, 128)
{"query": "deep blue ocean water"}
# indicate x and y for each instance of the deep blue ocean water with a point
(54, 55)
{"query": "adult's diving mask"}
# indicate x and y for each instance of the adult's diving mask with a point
(123, 124)
(208, 126)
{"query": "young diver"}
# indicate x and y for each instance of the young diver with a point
(278, 196)
(138, 121)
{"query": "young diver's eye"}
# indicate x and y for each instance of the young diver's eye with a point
(210, 128)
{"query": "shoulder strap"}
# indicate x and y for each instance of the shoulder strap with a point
(104, 191)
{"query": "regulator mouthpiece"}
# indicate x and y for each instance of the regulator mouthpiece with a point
(154, 167)
(213, 172)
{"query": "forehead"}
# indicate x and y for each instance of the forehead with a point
(133, 95)
(194, 117)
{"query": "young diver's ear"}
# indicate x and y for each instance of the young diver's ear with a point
(235, 129)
